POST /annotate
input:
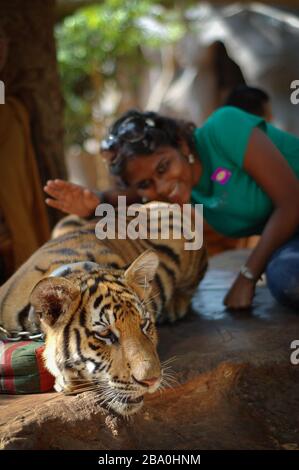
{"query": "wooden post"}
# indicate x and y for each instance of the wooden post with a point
(31, 75)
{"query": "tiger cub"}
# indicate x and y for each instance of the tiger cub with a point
(98, 302)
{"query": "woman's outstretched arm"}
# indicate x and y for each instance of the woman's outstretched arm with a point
(267, 166)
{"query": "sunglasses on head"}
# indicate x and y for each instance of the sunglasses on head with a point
(131, 130)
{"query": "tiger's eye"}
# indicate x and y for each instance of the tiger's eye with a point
(107, 334)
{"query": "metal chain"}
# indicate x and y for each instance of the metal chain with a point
(15, 335)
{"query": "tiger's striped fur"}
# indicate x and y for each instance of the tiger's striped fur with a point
(98, 302)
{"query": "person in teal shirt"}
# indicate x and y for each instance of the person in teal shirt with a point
(242, 169)
(235, 204)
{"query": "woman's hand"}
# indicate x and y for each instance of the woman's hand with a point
(240, 294)
(71, 198)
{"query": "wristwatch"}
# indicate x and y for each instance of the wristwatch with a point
(245, 271)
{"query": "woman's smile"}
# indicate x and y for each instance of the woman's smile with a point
(174, 192)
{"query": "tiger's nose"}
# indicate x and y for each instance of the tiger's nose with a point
(147, 382)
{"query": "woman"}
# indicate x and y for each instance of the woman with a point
(243, 170)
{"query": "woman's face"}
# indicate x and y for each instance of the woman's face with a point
(165, 175)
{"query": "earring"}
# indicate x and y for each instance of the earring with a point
(144, 199)
(191, 158)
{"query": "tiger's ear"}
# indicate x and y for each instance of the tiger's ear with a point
(141, 272)
(52, 297)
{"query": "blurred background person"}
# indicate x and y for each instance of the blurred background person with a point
(251, 99)
(23, 215)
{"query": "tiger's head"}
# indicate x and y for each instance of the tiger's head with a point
(100, 332)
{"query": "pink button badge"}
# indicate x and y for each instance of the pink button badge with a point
(221, 175)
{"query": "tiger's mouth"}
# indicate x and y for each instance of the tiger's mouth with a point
(129, 407)
(135, 400)
(123, 404)
(126, 406)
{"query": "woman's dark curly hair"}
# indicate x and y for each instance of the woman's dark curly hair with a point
(162, 131)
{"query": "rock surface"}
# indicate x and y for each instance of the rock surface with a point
(235, 386)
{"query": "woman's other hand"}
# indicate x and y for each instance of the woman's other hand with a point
(240, 294)
(71, 198)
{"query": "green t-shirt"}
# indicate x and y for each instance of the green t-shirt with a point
(233, 202)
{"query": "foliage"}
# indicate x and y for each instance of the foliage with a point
(94, 41)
